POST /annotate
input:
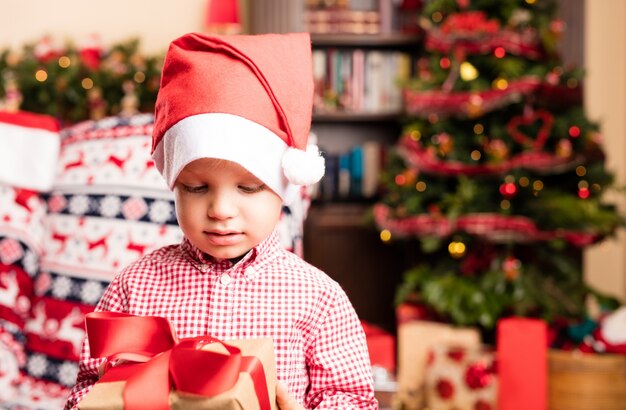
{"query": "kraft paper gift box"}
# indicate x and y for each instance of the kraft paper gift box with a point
(195, 374)
(460, 378)
(416, 340)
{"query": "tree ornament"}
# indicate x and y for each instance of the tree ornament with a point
(564, 148)
(543, 117)
(497, 150)
(511, 267)
(583, 193)
(12, 95)
(508, 189)
(574, 131)
(445, 143)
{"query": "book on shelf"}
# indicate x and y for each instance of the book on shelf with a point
(358, 80)
(353, 17)
(353, 174)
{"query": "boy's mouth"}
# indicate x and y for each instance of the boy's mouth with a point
(223, 237)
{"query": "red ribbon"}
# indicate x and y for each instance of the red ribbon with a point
(162, 362)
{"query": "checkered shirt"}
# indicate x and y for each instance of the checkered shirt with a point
(320, 347)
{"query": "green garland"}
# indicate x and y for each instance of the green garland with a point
(73, 83)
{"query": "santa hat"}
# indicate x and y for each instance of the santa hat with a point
(242, 98)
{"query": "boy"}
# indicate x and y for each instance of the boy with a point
(230, 138)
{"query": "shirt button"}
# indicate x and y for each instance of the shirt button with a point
(250, 272)
(225, 279)
(204, 268)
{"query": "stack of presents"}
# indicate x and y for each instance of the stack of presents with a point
(78, 204)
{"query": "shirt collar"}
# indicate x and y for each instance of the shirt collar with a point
(249, 265)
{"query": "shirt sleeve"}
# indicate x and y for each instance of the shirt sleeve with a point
(339, 366)
(112, 301)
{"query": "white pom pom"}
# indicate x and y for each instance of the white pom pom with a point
(303, 167)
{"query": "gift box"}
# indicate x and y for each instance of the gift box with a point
(461, 378)
(416, 340)
(163, 372)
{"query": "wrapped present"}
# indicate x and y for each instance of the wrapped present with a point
(522, 346)
(461, 378)
(416, 339)
(162, 372)
(381, 346)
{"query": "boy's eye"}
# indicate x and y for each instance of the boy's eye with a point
(195, 189)
(251, 189)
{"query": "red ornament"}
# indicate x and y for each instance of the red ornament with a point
(574, 131)
(583, 193)
(477, 376)
(508, 189)
(445, 389)
(499, 52)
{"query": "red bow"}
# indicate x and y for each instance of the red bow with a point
(162, 362)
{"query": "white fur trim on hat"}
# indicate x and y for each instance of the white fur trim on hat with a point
(228, 137)
(303, 167)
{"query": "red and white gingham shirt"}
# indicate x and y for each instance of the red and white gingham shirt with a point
(320, 347)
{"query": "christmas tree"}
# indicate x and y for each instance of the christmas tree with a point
(498, 176)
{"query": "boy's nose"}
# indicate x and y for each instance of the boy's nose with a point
(222, 206)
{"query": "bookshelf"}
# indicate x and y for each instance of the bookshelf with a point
(338, 238)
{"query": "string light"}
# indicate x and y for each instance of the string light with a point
(87, 83)
(505, 204)
(468, 71)
(444, 63)
(456, 249)
(499, 52)
(64, 61)
(415, 135)
(581, 171)
(420, 186)
(400, 180)
(478, 128)
(572, 83)
(537, 185)
(41, 75)
(500, 84)
(437, 17)
(139, 77)
(385, 235)
(475, 155)
(524, 181)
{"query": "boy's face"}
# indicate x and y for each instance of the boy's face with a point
(223, 209)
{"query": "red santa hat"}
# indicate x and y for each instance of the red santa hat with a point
(242, 98)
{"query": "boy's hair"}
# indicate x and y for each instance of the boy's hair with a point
(242, 98)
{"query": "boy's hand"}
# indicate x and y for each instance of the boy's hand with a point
(284, 399)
